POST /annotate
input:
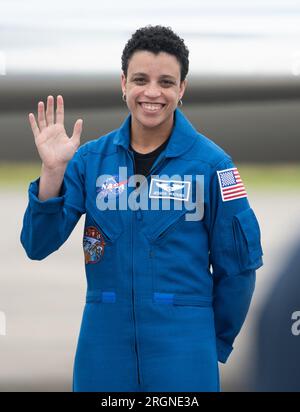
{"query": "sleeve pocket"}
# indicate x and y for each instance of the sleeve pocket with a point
(247, 240)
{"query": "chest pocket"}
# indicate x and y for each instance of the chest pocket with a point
(101, 251)
(247, 240)
(175, 255)
(164, 223)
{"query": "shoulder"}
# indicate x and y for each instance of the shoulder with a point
(206, 151)
(102, 146)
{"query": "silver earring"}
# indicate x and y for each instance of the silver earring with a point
(124, 97)
(180, 102)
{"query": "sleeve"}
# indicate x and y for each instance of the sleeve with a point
(47, 224)
(235, 254)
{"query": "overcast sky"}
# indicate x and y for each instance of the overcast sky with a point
(224, 37)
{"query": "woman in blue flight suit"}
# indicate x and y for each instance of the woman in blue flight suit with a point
(167, 293)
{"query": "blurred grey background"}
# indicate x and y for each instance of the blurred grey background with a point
(243, 92)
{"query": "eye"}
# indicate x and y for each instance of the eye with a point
(139, 80)
(167, 82)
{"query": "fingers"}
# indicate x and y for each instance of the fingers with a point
(50, 110)
(48, 119)
(41, 116)
(34, 126)
(60, 110)
(77, 132)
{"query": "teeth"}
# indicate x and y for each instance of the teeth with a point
(152, 106)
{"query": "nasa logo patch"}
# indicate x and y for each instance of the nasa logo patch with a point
(93, 245)
(112, 186)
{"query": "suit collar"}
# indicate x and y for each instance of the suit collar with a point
(182, 137)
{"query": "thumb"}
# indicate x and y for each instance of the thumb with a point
(77, 132)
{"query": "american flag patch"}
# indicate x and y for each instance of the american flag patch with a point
(231, 184)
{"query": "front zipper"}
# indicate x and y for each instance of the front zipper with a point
(132, 256)
(150, 173)
(156, 166)
(132, 279)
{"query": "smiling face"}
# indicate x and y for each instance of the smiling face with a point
(152, 89)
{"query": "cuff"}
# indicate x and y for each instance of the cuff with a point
(52, 205)
(223, 350)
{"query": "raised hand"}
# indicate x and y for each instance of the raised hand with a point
(54, 146)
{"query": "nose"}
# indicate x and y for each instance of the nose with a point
(152, 90)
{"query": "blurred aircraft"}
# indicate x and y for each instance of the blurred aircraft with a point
(243, 83)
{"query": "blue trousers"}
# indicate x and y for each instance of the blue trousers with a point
(127, 346)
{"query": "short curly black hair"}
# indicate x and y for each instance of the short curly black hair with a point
(157, 39)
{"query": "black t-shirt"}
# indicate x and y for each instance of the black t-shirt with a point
(144, 161)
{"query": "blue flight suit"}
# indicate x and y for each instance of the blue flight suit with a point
(166, 295)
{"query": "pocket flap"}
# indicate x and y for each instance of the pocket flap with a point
(165, 222)
(247, 239)
(100, 296)
(110, 231)
(182, 300)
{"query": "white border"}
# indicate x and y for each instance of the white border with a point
(169, 181)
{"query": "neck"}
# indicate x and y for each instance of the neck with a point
(145, 140)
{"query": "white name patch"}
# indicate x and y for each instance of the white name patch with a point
(169, 189)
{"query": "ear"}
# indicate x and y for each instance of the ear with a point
(123, 82)
(182, 88)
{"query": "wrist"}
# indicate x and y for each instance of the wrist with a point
(50, 182)
(54, 171)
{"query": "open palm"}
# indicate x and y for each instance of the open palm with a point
(54, 146)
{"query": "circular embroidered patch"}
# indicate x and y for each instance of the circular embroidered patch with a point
(93, 245)
(112, 186)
